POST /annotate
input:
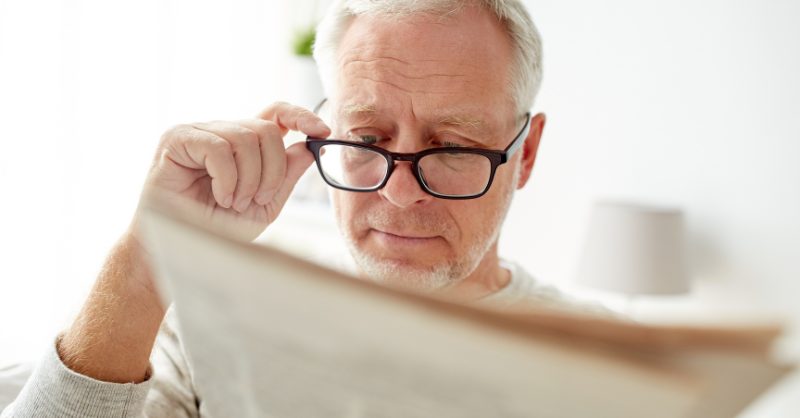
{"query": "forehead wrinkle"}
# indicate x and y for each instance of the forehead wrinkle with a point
(384, 62)
(406, 80)
(464, 121)
(372, 59)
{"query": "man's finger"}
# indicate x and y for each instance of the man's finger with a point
(295, 118)
(213, 153)
(245, 146)
(298, 159)
(273, 158)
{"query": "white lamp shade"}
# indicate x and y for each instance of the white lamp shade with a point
(635, 249)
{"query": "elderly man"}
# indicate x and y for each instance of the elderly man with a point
(429, 136)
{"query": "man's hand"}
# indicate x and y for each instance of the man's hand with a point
(238, 168)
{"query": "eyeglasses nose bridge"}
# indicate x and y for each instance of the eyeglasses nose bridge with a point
(411, 158)
(403, 157)
(394, 158)
(413, 161)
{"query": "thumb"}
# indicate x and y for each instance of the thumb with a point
(298, 159)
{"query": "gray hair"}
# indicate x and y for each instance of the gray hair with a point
(526, 71)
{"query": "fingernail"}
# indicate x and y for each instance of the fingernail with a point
(242, 205)
(321, 125)
(228, 201)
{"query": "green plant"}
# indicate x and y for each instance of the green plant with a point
(303, 41)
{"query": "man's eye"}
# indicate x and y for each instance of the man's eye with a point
(364, 138)
(450, 144)
(369, 139)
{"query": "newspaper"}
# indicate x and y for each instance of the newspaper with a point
(287, 338)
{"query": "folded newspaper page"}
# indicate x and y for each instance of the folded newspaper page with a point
(288, 338)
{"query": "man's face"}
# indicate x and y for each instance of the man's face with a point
(414, 83)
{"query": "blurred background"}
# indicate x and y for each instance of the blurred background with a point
(686, 104)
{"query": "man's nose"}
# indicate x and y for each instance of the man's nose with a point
(402, 188)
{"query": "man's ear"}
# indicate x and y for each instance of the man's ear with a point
(529, 148)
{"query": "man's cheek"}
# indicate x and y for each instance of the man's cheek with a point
(339, 211)
(348, 212)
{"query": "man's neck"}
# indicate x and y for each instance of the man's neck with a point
(488, 278)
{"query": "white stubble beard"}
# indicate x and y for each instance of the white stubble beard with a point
(438, 276)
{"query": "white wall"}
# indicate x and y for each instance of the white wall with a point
(86, 89)
(686, 103)
(690, 103)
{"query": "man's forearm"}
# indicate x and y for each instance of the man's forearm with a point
(112, 337)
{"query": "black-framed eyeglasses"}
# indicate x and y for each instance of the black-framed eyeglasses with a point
(444, 172)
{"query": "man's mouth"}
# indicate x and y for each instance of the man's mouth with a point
(405, 239)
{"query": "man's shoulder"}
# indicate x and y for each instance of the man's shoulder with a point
(525, 290)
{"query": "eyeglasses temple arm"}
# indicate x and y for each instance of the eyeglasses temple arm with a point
(519, 139)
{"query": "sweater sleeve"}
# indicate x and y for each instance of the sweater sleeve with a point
(53, 390)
